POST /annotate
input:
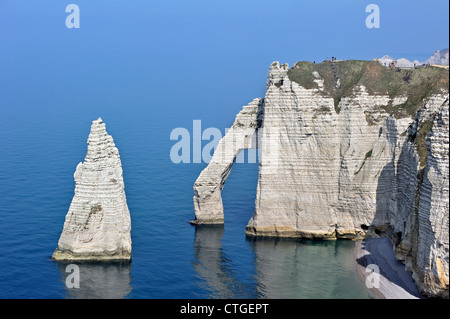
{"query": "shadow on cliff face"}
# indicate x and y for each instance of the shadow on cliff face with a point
(215, 267)
(395, 213)
(398, 198)
(98, 280)
(385, 201)
(380, 252)
(385, 189)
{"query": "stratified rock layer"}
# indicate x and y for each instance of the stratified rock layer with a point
(350, 161)
(97, 226)
(208, 186)
(431, 270)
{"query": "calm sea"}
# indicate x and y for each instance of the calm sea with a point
(147, 67)
(170, 258)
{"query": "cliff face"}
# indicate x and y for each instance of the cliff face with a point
(439, 57)
(431, 266)
(97, 225)
(349, 159)
(208, 186)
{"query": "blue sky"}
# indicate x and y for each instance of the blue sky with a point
(195, 57)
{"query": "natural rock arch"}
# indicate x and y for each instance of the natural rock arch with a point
(208, 186)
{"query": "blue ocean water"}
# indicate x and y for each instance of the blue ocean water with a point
(171, 258)
(147, 67)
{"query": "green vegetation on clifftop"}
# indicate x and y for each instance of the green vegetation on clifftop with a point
(341, 78)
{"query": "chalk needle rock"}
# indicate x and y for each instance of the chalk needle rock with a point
(97, 225)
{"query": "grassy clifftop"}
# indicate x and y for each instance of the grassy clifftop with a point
(340, 78)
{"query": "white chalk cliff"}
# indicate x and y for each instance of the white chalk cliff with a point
(348, 157)
(97, 225)
(440, 57)
(424, 247)
(207, 200)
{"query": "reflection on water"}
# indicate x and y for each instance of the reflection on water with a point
(215, 267)
(274, 268)
(100, 280)
(288, 268)
(283, 268)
